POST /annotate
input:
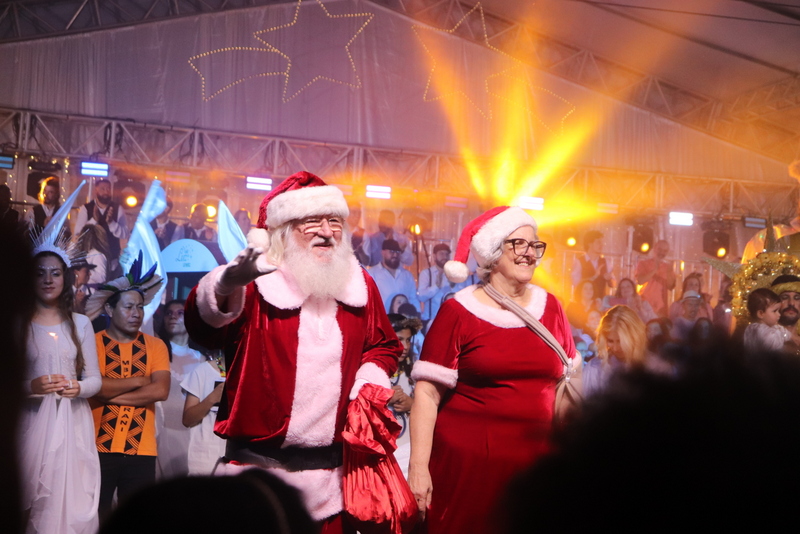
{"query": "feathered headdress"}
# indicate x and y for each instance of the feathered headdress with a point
(53, 237)
(59, 244)
(147, 284)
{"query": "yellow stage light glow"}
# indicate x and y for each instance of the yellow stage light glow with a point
(571, 241)
(212, 211)
(415, 229)
(721, 252)
(645, 247)
(131, 201)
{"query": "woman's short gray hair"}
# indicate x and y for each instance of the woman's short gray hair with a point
(484, 272)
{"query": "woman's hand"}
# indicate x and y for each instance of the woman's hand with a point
(48, 384)
(419, 479)
(72, 390)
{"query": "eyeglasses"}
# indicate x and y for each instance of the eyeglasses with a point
(314, 224)
(520, 247)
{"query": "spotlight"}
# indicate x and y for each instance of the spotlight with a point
(45, 166)
(379, 191)
(567, 235)
(456, 202)
(716, 241)
(129, 188)
(415, 229)
(679, 218)
(612, 209)
(210, 191)
(643, 238)
(643, 234)
(91, 168)
(6, 161)
(261, 184)
(754, 222)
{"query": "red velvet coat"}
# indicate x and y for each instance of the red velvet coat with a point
(272, 371)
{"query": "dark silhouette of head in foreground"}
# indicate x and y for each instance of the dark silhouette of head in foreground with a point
(253, 501)
(715, 449)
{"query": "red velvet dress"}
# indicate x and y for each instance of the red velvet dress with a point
(497, 419)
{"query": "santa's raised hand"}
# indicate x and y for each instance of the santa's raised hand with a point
(244, 268)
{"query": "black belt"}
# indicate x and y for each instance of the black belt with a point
(289, 458)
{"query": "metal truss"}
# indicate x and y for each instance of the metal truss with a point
(427, 178)
(33, 19)
(750, 121)
(738, 123)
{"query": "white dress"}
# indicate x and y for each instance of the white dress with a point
(172, 437)
(759, 337)
(60, 470)
(205, 447)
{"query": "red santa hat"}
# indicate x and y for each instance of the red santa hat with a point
(299, 196)
(483, 236)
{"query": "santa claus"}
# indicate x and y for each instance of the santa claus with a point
(303, 328)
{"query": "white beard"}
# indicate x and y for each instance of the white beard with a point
(322, 277)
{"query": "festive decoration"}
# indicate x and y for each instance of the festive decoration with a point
(756, 273)
(59, 244)
(286, 72)
(148, 284)
(53, 237)
(143, 242)
(230, 238)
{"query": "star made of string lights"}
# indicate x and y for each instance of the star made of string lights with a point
(514, 71)
(476, 10)
(299, 72)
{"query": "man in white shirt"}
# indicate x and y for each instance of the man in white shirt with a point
(434, 285)
(373, 243)
(392, 279)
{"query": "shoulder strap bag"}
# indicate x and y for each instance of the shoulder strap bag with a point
(568, 389)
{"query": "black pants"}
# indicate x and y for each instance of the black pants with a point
(125, 474)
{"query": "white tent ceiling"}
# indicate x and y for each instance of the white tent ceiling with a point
(724, 49)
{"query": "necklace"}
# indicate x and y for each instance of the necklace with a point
(220, 365)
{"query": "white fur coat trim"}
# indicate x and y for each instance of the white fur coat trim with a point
(498, 317)
(282, 292)
(320, 489)
(491, 235)
(318, 382)
(433, 372)
(306, 202)
(373, 375)
(207, 301)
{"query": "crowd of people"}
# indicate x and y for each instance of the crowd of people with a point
(262, 366)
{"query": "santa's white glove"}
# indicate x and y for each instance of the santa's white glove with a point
(357, 387)
(244, 268)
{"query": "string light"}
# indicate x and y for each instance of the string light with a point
(274, 50)
(232, 84)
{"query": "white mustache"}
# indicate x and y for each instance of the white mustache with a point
(322, 241)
